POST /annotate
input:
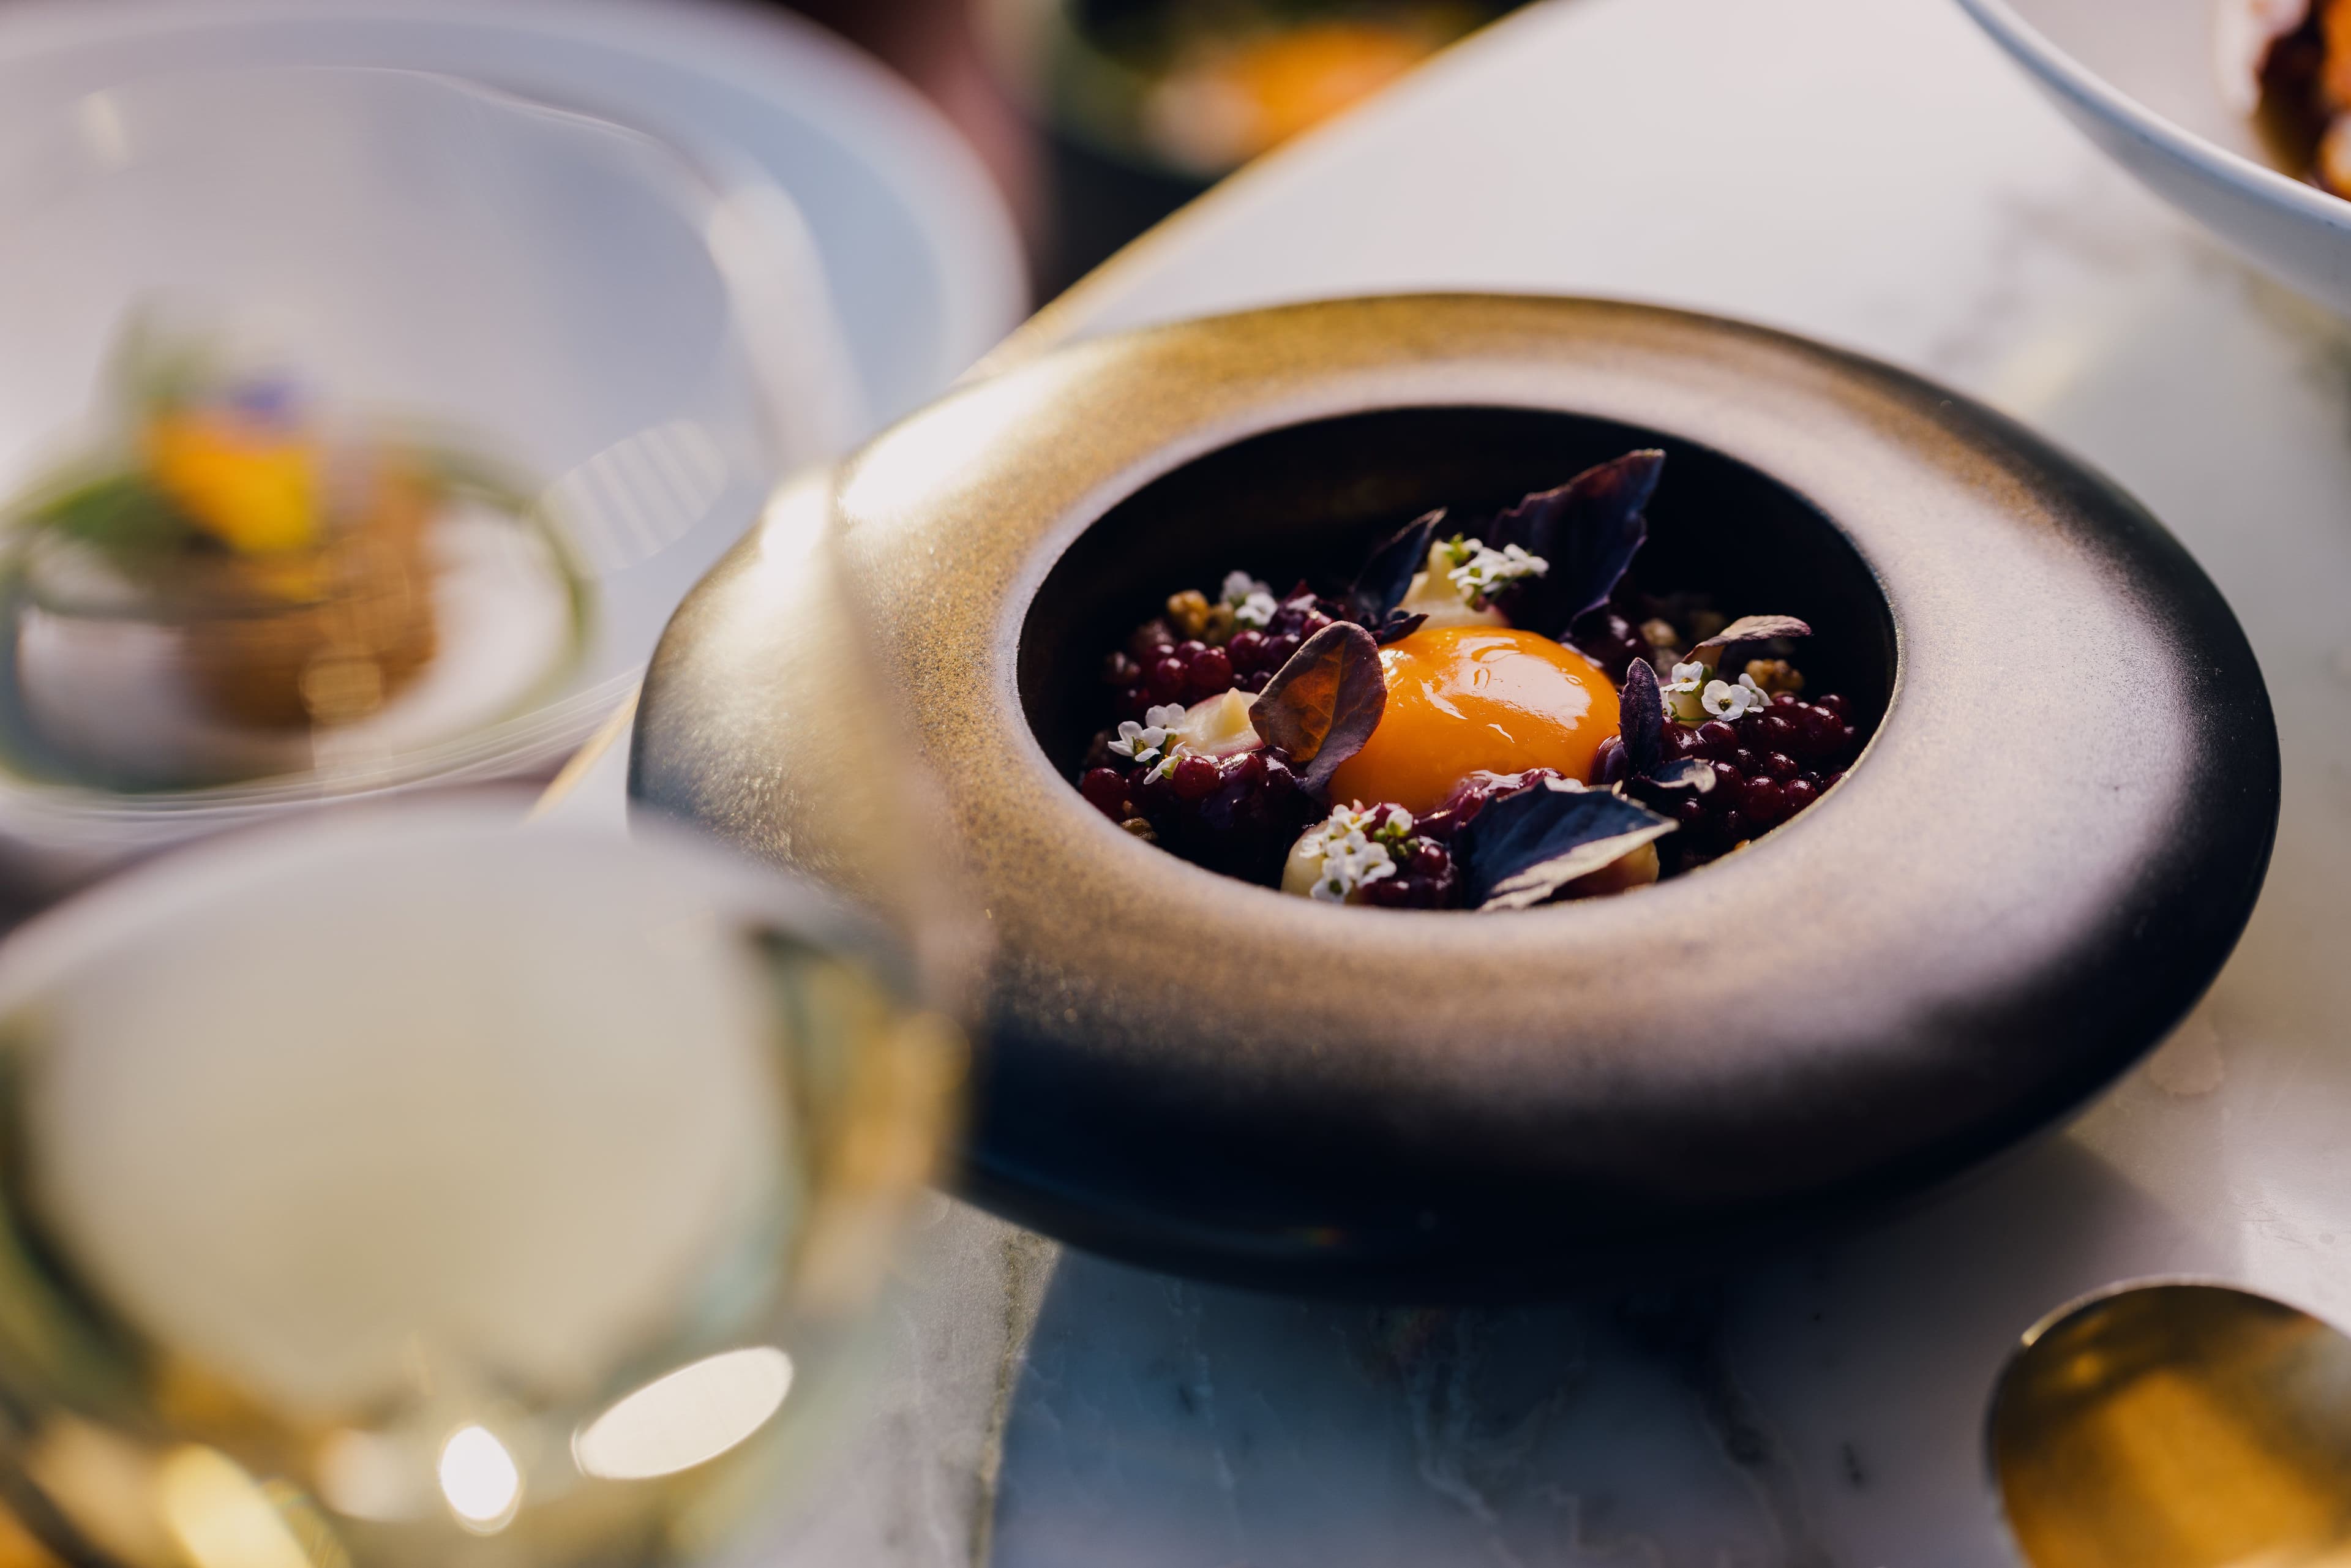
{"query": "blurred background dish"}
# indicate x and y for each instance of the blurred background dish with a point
(918, 252)
(443, 1194)
(2168, 87)
(1140, 105)
(643, 343)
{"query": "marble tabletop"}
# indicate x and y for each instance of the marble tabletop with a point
(1872, 172)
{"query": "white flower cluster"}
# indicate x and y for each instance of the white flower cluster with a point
(1352, 855)
(1694, 695)
(1149, 741)
(1252, 599)
(1681, 693)
(1477, 571)
(1729, 702)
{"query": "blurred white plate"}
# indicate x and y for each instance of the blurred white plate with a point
(918, 249)
(2144, 79)
(918, 255)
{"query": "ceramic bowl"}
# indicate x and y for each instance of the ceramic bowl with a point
(2045, 852)
(2149, 82)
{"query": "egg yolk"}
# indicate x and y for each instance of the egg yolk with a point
(1471, 699)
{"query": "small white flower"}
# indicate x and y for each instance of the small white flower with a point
(1351, 858)
(1141, 742)
(1726, 701)
(1240, 588)
(1257, 610)
(1477, 572)
(1166, 715)
(1681, 693)
(1176, 753)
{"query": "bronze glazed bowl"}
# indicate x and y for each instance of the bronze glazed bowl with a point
(2034, 868)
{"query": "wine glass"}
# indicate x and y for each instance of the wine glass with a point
(401, 1188)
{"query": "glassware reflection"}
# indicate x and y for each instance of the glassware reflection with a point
(408, 1190)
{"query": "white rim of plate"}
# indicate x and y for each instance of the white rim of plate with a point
(948, 194)
(2065, 74)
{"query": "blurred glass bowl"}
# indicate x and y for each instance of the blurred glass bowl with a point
(441, 1194)
(641, 337)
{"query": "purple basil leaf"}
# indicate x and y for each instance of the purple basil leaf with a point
(1682, 773)
(1641, 718)
(1323, 704)
(1750, 629)
(1520, 850)
(1381, 586)
(1588, 529)
(1397, 627)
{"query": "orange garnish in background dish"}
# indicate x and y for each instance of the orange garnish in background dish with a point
(249, 483)
(1463, 700)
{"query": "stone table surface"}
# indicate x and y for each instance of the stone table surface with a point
(1871, 173)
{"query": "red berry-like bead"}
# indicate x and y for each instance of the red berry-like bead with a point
(1210, 672)
(1762, 802)
(1195, 779)
(1166, 679)
(1780, 765)
(1717, 739)
(1105, 790)
(1773, 732)
(1834, 703)
(1279, 649)
(1799, 793)
(1246, 649)
(1256, 680)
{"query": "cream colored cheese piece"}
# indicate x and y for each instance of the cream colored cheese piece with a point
(1303, 868)
(1433, 594)
(1219, 726)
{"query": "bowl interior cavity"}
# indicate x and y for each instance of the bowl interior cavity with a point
(1308, 500)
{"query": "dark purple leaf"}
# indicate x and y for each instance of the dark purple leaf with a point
(1323, 704)
(1641, 718)
(1608, 764)
(1748, 629)
(1588, 529)
(1522, 848)
(1397, 627)
(1381, 586)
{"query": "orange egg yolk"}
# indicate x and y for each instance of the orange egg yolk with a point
(1472, 699)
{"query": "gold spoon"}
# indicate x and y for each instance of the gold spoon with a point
(2177, 1425)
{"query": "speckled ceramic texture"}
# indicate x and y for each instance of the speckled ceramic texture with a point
(2035, 868)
